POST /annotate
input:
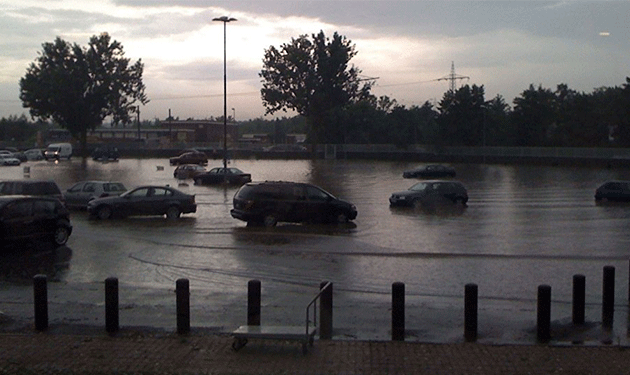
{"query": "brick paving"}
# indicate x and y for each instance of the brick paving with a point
(138, 352)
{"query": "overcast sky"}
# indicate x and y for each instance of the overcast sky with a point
(408, 45)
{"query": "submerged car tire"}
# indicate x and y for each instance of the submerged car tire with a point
(104, 212)
(270, 220)
(340, 218)
(61, 235)
(173, 212)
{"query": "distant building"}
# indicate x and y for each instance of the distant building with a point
(200, 131)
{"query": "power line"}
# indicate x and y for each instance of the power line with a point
(452, 77)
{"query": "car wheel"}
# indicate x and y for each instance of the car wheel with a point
(416, 203)
(173, 212)
(459, 200)
(340, 218)
(104, 212)
(270, 220)
(61, 235)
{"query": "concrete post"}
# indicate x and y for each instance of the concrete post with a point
(608, 297)
(111, 305)
(579, 298)
(40, 298)
(182, 290)
(470, 312)
(544, 313)
(398, 311)
(253, 302)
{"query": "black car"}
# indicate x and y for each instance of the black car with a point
(45, 188)
(191, 157)
(144, 200)
(615, 191)
(267, 203)
(24, 218)
(221, 175)
(430, 171)
(105, 153)
(434, 191)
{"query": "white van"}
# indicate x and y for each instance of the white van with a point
(56, 151)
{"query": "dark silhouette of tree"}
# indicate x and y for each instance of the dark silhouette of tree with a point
(461, 116)
(313, 78)
(79, 87)
(533, 116)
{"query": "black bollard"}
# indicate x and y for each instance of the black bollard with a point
(326, 311)
(544, 313)
(182, 290)
(40, 297)
(111, 305)
(608, 297)
(253, 302)
(470, 312)
(398, 311)
(579, 298)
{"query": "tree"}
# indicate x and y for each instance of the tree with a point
(313, 78)
(533, 116)
(79, 87)
(461, 116)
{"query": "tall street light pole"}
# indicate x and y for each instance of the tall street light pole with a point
(225, 20)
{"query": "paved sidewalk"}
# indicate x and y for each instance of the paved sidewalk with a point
(139, 352)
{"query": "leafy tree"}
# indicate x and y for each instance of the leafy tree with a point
(79, 87)
(313, 78)
(533, 116)
(498, 130)
(461, 116)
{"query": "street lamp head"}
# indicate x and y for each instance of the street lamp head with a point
(224, 19)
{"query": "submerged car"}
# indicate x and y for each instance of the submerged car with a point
(191, 157)
(144, 200)
(220, 175)
(34, 154)
(185, 171)
(106, 153)
(615, 191)
(430, 171)
(267, 203)
(9, 159)
(24, 218)
(82, 192)
(433, 191)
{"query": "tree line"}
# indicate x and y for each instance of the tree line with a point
(77, 88)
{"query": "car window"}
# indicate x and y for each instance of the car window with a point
(76, 187)
(314, 194)
(419, 186)
(613, 186)
(215, 170)
(17, 210)
(44, 207)
(141, 192)
(89, 187)
(5, 188)
(161, 192)
(113, 187)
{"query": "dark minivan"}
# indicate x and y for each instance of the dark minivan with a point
(24, 218)
(267, 203)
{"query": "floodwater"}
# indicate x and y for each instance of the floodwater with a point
(524, 226)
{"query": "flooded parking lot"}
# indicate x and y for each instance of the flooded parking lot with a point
(524, 226)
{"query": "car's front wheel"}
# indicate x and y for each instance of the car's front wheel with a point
(104, 213)
(61, 235)
(340, 218)
(173, 212)
(270, 220)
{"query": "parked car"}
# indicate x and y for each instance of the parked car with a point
(430, 171)
(144, 200)
(434, 191)
(34, 154)
(191, 157)
(58, 151)
(15, 153)
(45, 188)
(6, 159)
(185, 171)
(24, 218)
(105, 153)
(615, 191)
(82, 192)
(221, 175)
(267, 203)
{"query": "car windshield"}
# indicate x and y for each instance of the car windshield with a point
(419, 186)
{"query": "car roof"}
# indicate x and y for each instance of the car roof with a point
(4, 199)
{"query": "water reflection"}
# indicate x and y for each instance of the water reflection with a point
(20, 263)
